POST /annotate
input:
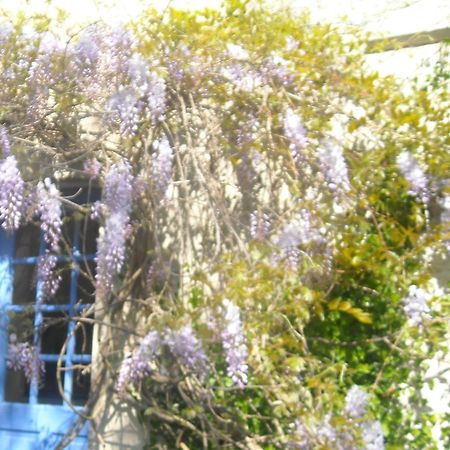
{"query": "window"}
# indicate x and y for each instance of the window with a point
(34, 415)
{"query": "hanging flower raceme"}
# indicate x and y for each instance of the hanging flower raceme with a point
(372, 435)
(139, 364)
(47, 275)
(12, 187)
(25, 357)
(111, 244)
(415, 306)
(234, 344)
(162, 165)
(296, 133)
(356, 402)
(125, 109)
(334, 168)
(259, 225)
(5, 145)
(414, 174)
(50, 210)
(298, 232)
(186, 346)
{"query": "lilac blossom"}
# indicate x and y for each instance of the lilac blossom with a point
(49, 279)
(125, 109)
(259, 225)
(139, 364)
(415, 306)
(296, 133)
(372, 435)
(156, 97)
(25, 357)
(185, 345)
(162, 165)
(148, 85)
(334, 168)
(234, 344)
(4, 142)
(92, 167)
(244, 79)
(12, 202)
(298, 232)
(356, 402)
(278, 68)
(50, 210)
(139, 73)
(40, 78)
(118, 190)
(111, 243)
(415, 176)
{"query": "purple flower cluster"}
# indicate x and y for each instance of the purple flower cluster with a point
(300, 231)
(185, 345)
(415, 305)
(125, 109)
(50, 210)
(259, 225)
(334, 168)
(162, 165)
(139, 364)
(372, 435)
(47, 275)
(40, 79)
(24, 357)
(241, 77)
(234, 344)
(4, 142)
(111, 244)
(415, 176)
(156, 97)
(296, 133)
(356, 402)
(92, 167)
(12, 203)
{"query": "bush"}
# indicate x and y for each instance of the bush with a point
(268, 221)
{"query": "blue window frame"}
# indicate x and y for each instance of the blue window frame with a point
(35, 416)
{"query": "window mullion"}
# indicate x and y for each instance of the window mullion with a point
(38, 320)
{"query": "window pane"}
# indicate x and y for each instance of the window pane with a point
(81, 386)
(88, 234)
(48, 392)
(21, 326)
(24, 284)
(27, 241)
(86, 282)
(17, 388)
(84, 338)
(54, 333)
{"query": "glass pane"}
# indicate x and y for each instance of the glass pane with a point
(67, 231)
(49, 392)
(54, 332)
(88, 236)
(24, 284)
(17, 388)
(21, 325)
(81, 386)
(84, 338)
(27, 241)
(86, 282)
